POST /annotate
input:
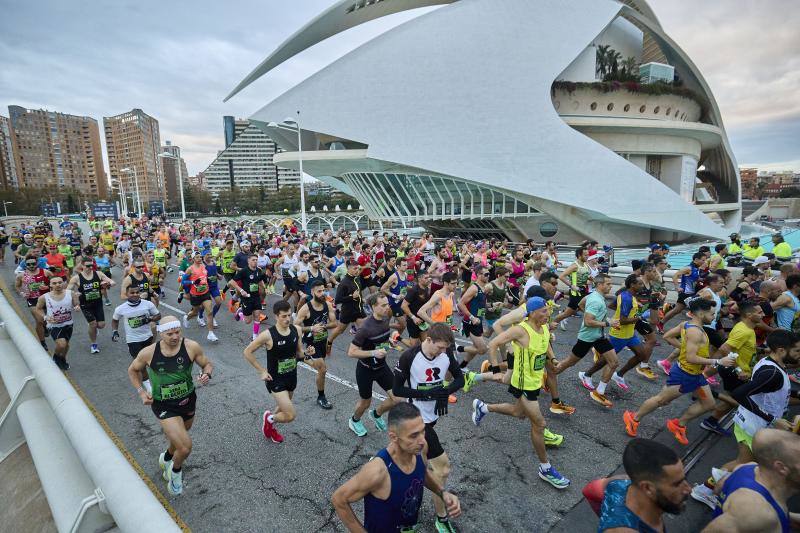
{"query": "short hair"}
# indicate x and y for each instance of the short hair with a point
(500, 271)
(449, 277)
(579, 251)
(646, 267)
(722, 272)
(129, 287)
(750, 271)
(317, 283)
(601, 278)
(402, 412)
(780, 338)
(700, 304)
(718, 248)
(631, 280)
(478, 270)
(441, 332)
(281, 306)
(645, 459)
(792, 281)
(548, 277)
(697, 255)
(703, 250)
(373, 298)
(538, 265)
(711, 278)
(747, 306)
(788, 268)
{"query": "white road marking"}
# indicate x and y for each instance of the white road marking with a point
(162, 304)
(341, 381)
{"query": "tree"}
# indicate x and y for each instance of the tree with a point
(792, 192)
(602, 60)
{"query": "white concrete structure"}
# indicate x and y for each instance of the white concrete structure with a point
(453, 120)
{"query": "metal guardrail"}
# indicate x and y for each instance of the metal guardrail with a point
(89, 484)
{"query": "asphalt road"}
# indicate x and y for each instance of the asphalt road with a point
(236, 481)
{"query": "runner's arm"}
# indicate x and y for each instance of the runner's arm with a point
(402, 379)
(767, 379)
(694, 339)
(465, 299)
(744, 513)
(423, 312)
(302, 314)
(264, 339)
(387, 287)
(564, 276)
(369, 479)
(104, 278)
(73, 282)
(673, 336)
(676, 278)
(135, 370)
(509, 335)
(200, 359)
(450, 500)
(509, 319)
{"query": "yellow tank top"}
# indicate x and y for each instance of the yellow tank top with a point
(444, 311)
(625, 331)
(529, 362)
(692, 368)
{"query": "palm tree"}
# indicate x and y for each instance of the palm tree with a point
(613, 65)
(602, 60)
(630, 69)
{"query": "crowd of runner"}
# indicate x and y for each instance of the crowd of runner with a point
(463, 316)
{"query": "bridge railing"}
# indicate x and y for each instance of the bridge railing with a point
(89, 484)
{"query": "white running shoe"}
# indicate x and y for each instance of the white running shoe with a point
(201, 322)
(705, 495)
(620, 381)
(586, 381)
(165, 467)
(175, 484)
(216, 324)
(185, 322)
(563, 325)
(212, 337)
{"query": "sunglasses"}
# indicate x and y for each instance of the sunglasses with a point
(30, 263)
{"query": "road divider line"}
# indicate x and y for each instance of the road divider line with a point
(341, 381)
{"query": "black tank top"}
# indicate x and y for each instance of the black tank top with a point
(143, 284)
(282, 358)
(89, 290)
(312, 279)
(316, 317)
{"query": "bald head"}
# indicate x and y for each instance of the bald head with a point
(773, 445)
(768, 288)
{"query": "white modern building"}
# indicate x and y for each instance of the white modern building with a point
(247, 162)
(489, 117)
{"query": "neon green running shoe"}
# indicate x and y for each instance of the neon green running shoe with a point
(445, 526)
(552, 439)
(469, 380)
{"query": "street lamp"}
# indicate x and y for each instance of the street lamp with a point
(136, 182)
(6, 208)
(296, 123)
(177, 158)
(123, 198)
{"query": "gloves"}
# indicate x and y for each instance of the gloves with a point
(114, 336)
(440, 409)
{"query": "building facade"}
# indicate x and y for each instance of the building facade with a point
(547, 152)
(133, 142)
(174, 170)
(247, 161)
(8, 169)
(52, 149)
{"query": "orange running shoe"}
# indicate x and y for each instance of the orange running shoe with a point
(631, 425)
(561, 408)
(485, 366)
(600, 398)
(678, 431)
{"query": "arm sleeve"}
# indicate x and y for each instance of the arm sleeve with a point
(402, 377)
(767, 379)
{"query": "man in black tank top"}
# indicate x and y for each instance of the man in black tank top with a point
(282, 342)
(315, 319)
(90, 291)
(137, 278)
(169, 364)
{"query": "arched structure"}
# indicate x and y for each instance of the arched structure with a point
(453, 120)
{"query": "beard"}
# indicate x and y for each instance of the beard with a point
(669, 507)
(320, 299)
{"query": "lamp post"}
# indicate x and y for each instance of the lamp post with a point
(300, 161)
(123, 198)
(177, 159)
(136, 182)
(6, 208)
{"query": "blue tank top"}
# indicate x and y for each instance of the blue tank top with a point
(400, 510)
(744, 477)
(398, 290)
(213, 276)
(784, 316)
(477, 306)
(688, 282)
(337, 262)
(615, 514)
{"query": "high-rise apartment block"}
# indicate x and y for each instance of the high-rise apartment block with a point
(133, 142)
(246, 161)
(749, 178)
(56, 150)
(8, 169)
(174, 169)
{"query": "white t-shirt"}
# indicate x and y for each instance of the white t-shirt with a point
(532, 282)
(59, 311)
(136, 319)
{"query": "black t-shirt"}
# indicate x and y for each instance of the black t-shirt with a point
(240, 259)
(371, 335)
(330, 251)
(416, 297)
(344, 293)
(249, 280)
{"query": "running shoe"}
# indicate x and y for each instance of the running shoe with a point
(631, 425)
(323, 402)
(620, 382)
(107, 302)
(266, 425)
(201, 322)
(165, 466)
(274, 436)
(561, 408)
(665, 365)
(660, 328)
(678, 431)
(795, 377)
(212, 337)
(357, 427)
(713, 426)
(443, 526)
(94, 348)
(44, 345)
(180, 297)
(552, 439)
(216, 324)
(646, 372)
(478, 411)
(469, 380)
(563, 325)
(380, 423)
(600, 398)
(586, 381)
(485, 366)
(353, 329)
(175, 483)
(552, 476)
(185, 322)
(61, 363)
(705, 495)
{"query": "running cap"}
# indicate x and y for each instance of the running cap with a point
(596, 255)
(761, 260)
(534, 304)
(655, 246)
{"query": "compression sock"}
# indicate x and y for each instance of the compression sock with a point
(215, 309)
(320, 393)
(201, 313)
(167, 456)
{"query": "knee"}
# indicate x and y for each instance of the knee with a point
(184, 448)
(100, 325)
(662, 402)
(290, 415)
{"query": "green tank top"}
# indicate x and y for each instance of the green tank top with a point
(493, 296)
(580, 278)
(171, 377)
(529, 362)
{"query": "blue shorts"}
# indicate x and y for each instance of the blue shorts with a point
(621, 344)
(688, 382)
(214, 290)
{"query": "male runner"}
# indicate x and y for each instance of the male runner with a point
(248, 283)
(531, 341)
(32, 282)
(420, 377)
(685, 281)
(348, 297)
(472, 306)
(441, 304)
(576, 277)
(396, 287)
(137, 314)
(283, 346)
(754, 497)
(90, 285)
(369, 346)
(417, 296)
(199, 295)
(169, 363)
(687, 376)
(391, 482)
(54, 309)
(139, 279)
(315, 319)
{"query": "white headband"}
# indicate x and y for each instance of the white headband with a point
(168, 326)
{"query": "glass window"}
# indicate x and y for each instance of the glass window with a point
(548, 229)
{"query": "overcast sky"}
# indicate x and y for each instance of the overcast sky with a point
(177, 60)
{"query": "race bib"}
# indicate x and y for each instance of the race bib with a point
(253, 288)
(286, 366)
(137, 321)
(424, 326)
(481, 312)
(92, 295)
(174, 390)
(539, 362)
(321, 336)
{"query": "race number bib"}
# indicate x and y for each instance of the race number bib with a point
(174, 390)
(285, 366)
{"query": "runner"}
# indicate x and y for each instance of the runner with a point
(54, 309)
(531, 341)
(576, 277)
(315, 319)
(687, 376)
(416, 297)
(348, 297)
(472, 306)
(685, 280)
(591, 335)
(396, 288)
(139, 279)
(283, 346)
(369, 346)
(441, 304)
(138, 315)
(248, 282)
(199, 296)
(419, 376)
(391, 482)
(90, 285)
(168, 363)
(754, 497)
(31, 283)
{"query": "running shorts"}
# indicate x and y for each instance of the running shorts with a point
(682, 297)
(468, 328)
(366, 376)
(282, 382)
(64, 332)
(688, 382)
(742, 436)
(251, 304)
(182, 407)
(350, 315)
(643, 327)
(581, 348)
(413, 330)
(93, 312)
(714, 338)
(730, 380)
(135, 347)
(197, 301)
(574, 301)
(435, 448)
(530, 395)
(289, 284)
(621, 344)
